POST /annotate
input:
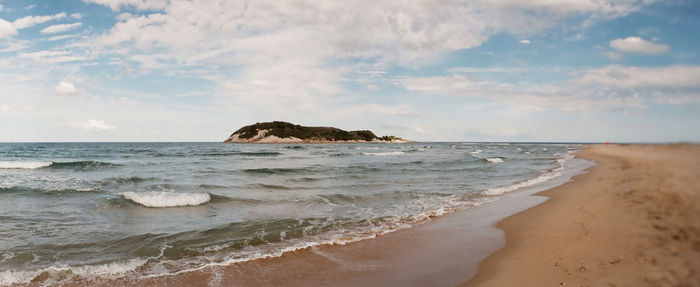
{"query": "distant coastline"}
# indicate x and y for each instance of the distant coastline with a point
(284, 132)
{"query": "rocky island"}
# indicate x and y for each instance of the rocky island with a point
(284, 132)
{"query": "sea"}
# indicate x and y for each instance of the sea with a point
(96, 210)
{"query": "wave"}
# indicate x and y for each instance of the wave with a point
(221, 153)
(24, 164)
(274, 170)
(49, 191)
(549, 175)
(87, 164)
(261, 153)
(383, 153)
(476, 151)
(540, 179)
(494, 160)
(127, 180)
(269, 186)
(167, 199)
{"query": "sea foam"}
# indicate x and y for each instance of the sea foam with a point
(167, 199)
(494, 160)
(552, 174)
(383, 153)
(540, 179)
(24, 164)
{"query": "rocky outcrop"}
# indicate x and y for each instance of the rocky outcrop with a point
(284, 132)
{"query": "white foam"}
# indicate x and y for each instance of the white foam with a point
(563, 158)
(24, 164)
(476, 151)
(495, 160)
(114, 268)
(167, 199)
(540, 179)
(10, 277)
(382, 153)
(374, 148)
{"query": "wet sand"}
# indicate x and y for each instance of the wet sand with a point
(634, 220)
(443, 252)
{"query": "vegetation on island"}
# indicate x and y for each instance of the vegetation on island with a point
(288, 130)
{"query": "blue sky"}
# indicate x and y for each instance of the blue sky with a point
(499, 70)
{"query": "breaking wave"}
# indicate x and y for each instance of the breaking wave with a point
(24, 164)
(383, 153)
(167, 199)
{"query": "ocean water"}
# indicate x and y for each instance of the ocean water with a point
(150, 209)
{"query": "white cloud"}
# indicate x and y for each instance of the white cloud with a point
(52, 56)
(638, 45)
(116, 5)
(4, 108)
(28, 7)
(62, 37)
(93, 125)
(290, 50)
(6, 29)
(610, 87)
(65, 88)
(59, 28)
(372, 87)
(29, 21)
(76, 15)
(1, 7)
(524, 41)
(644, 77)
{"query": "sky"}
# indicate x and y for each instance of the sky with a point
(479, 70)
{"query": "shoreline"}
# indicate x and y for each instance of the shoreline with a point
(444, 251)
(628, 222)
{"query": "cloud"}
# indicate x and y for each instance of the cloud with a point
(59, 28)
(62, 37)
(116, 5)
(6, 29)
(76, 15)
(65, 88)
(638, 45)
(681, 76)
(524, 41)
(611, 87)
(4, 108)
(29, 21)
(51, 56)
(305, 51)
(93, 125)
(613, 55)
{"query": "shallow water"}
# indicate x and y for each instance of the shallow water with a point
(104, 209)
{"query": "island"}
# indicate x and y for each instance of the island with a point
(284, 132)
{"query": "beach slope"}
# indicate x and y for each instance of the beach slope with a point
(633, 220)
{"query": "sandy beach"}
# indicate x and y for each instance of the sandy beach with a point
(631, 221)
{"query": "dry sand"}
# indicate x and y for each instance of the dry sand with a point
(633, 220)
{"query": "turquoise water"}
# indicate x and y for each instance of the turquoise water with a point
(145, 209)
